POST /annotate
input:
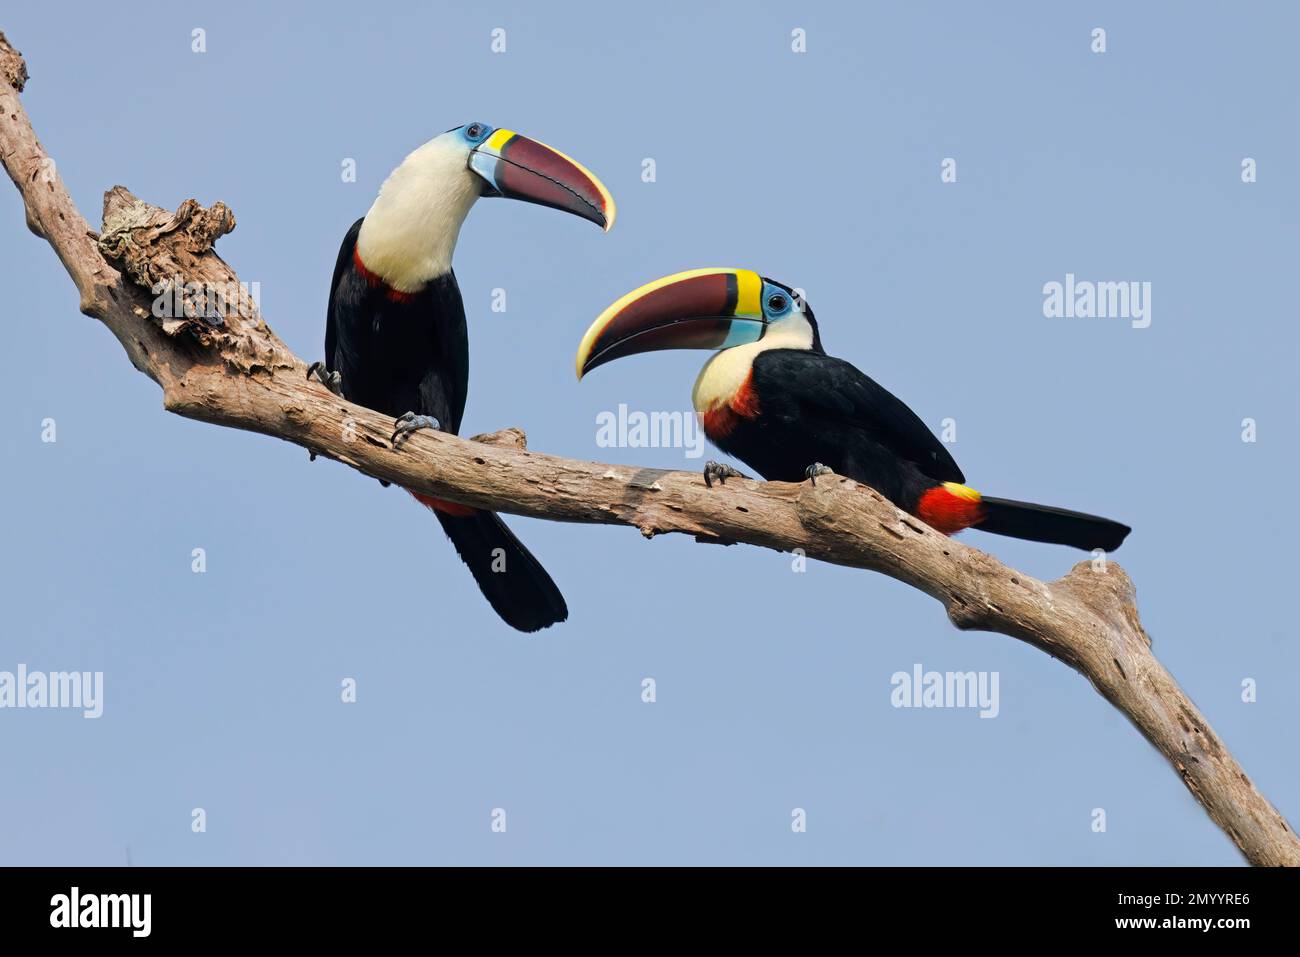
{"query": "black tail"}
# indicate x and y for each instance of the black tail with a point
(1058, 526)
(511, 579)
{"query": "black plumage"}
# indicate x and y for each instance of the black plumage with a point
(815, 408)
(409, 352)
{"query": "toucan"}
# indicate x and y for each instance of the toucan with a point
(774, 399)
(395, 336)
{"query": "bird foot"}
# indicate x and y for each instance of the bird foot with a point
(815, 470)
(331, 380)
(720, 472)
(410, 422)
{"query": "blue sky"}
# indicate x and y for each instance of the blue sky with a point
(821, 169)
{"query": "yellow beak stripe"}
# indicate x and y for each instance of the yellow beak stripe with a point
(749, 294)
(499, 139)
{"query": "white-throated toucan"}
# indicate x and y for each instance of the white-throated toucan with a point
(773, 398)
(395, 336)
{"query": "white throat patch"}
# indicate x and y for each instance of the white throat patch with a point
(726, 371)
(410, 233)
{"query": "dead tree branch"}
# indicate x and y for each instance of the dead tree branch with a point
(234, 371)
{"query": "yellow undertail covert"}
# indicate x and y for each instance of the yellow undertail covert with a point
(962, 491)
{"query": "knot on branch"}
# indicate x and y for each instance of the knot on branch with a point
(511, 438)
(1105, 587)
(191, 289)
(13, 68)
(154, 246)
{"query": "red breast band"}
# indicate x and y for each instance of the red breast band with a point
(719, 421)
(375, 281)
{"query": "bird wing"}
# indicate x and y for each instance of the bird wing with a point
(340, 264)
(829, 388)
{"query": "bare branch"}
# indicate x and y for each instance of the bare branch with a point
(233, 370)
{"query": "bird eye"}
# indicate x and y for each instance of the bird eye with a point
(474, 131)
(777, 303)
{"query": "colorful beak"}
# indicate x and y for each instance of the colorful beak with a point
(697, 309)
(520, 168)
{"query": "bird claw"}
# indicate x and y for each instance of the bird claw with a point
(331, 380)
(815, 470)
(410, 422)
(720, 472)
